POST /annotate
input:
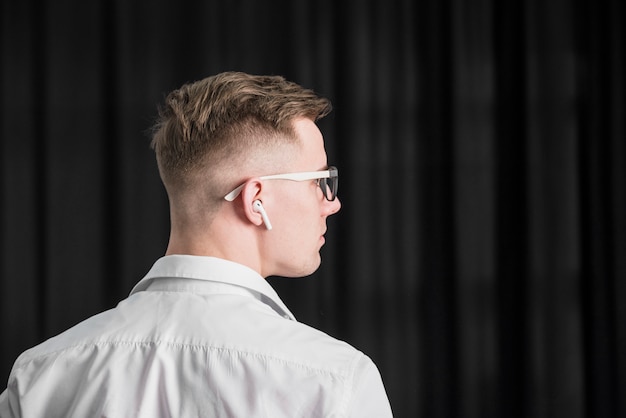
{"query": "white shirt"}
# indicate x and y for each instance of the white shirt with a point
(197, 337)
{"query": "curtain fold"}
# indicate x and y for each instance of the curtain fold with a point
(480, 254)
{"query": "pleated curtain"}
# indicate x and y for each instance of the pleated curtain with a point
(480, 254)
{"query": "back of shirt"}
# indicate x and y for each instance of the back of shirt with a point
(188, 348)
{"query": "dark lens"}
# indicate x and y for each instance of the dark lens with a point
(325, 188)
(329, 188)
(329, 185)
(333, 183)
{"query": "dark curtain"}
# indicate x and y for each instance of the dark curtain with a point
(480, 255)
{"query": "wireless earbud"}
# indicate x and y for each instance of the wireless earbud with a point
(257, 207)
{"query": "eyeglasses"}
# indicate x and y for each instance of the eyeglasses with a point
(328, 180)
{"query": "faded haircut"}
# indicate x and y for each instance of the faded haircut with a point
(205, 122)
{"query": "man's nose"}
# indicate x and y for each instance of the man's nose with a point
(333, 207)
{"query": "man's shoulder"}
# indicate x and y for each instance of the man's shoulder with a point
(88, 332)
(314, 347)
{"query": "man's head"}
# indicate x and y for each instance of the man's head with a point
(228, 130)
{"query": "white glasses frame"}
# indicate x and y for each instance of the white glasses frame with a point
(331, 172)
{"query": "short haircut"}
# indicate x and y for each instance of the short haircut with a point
(206, 123)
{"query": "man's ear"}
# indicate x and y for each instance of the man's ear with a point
(252, 191)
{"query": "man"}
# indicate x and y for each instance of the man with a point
(203, 334)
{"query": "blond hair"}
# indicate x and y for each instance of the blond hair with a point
(204, 123)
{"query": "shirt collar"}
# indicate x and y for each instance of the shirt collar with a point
(215, 270)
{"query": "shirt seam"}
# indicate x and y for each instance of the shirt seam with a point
(349, 384)
(346, 374)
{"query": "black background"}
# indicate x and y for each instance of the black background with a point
(480, 254)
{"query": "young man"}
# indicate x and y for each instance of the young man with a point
(203, 334)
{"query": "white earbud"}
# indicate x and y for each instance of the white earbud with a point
(257, 207)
